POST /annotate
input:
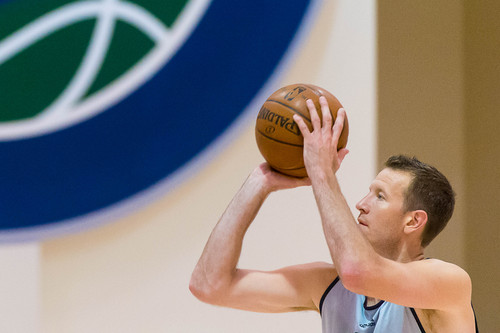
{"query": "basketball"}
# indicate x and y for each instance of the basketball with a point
(278, 136)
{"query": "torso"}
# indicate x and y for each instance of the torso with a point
(356, 313)
(343, 311)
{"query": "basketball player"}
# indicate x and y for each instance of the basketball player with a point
(380, 280)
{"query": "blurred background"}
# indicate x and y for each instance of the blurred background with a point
(127, 127)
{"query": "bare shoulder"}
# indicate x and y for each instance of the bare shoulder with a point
(457, 314)
(451, 277)
(449, 270)
(444, 264)
(439, 262)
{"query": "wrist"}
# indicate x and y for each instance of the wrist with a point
(324, 181)
(259, 183)
(320, 175)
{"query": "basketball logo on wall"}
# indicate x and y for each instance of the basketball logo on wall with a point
(107, 103)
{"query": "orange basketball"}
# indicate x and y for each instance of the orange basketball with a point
(278, 136)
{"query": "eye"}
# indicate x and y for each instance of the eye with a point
(380, 196)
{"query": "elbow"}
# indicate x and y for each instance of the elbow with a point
(354, 277)
(205, 291)
(201, 290)
(197, 289)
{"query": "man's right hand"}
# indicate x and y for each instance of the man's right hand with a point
(274, 181)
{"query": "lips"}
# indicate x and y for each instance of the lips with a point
(360, 221)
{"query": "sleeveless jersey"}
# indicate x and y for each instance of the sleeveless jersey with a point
(343, 311)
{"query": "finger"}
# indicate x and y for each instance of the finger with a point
(338, 126)
(316, 122)
(302, 125)
(325, 112)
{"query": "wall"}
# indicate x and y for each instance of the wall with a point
(482, 103)
(20, 287)
(420, 103)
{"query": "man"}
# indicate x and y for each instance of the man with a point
(380, 280)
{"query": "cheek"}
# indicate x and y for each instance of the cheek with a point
(381, 211)
(388, 220)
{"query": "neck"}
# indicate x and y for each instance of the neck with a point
(403, 253)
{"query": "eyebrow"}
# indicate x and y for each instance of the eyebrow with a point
(377, 187)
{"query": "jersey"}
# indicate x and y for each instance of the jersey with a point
(343, 311)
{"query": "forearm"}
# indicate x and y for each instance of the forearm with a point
(349, 249)
(217, 264)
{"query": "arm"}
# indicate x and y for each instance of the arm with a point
(216, 278)
(426, 284)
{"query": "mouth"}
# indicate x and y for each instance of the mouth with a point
(360, 222)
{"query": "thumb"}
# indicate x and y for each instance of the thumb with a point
(342, 153)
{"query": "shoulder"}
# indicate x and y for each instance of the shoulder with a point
(455, 314)
(448, 269)
(453, 279)
(447, 272)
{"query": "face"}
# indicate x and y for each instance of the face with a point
(381, 212)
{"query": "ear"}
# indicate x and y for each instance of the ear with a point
(415, 220)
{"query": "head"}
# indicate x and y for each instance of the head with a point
(407, 200)
(429, 191)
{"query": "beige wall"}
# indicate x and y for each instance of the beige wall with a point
(20, 287)
(438, 79)
(482, 141)
(420, 103)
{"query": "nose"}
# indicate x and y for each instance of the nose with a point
(362, 205)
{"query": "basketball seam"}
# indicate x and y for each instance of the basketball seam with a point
(317, 93)
(289, 107)
(283, 142)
